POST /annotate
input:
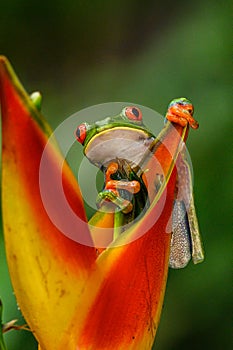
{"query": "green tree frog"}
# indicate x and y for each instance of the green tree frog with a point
(118, 145)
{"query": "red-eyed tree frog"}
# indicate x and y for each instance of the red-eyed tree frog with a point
(118, 145)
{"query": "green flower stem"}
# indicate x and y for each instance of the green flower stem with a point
(2, 344)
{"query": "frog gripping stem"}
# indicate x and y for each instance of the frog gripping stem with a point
(180, 111)
(111, 187)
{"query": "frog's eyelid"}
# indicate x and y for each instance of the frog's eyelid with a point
(123, 113)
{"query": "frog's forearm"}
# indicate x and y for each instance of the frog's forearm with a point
(130, 186)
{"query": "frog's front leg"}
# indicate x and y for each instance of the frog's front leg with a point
(110, 192)
(181, 116)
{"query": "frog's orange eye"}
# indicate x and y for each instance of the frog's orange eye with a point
(81, 133)
(133, 113)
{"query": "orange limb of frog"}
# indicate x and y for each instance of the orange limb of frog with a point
(130, 186)
(113, 186)
(182, 115)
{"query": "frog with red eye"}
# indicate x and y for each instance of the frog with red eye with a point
(114, 134)
(118, 144)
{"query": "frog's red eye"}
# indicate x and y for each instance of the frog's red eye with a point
(81, 133)
(133, 113)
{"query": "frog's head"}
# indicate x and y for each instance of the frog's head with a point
(121, 136)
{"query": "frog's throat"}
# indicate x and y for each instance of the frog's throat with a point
(118, 143)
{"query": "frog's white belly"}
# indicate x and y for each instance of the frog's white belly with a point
(121, 142)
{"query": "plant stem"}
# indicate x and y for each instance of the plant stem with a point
(2, 344)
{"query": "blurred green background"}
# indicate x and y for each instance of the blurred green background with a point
(81, 53)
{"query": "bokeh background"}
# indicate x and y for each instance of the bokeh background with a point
(81, 53)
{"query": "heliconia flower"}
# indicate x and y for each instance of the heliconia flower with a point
(71, 297)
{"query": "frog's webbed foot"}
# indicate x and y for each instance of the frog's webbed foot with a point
(113, 196)
(180, 111)
(111, 193)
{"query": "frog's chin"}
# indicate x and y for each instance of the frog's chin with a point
(118, 143)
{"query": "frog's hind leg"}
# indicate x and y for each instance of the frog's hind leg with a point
(111, 193)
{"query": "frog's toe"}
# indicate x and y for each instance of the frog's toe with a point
(180, 111)
(114, 197)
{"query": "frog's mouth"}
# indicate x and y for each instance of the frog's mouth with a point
(122, 142)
